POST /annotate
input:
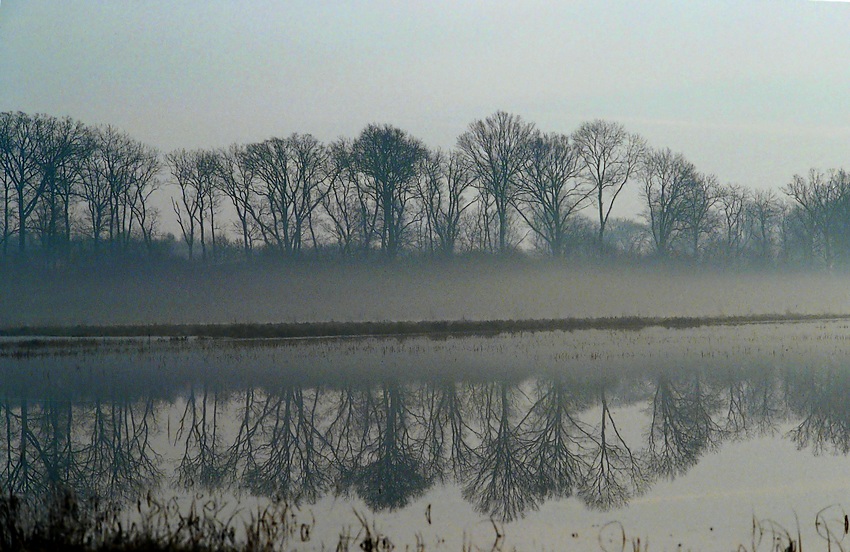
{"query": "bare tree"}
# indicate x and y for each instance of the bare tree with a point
(95, 193)
(733, 202)
(236, 179)
(700, 198)
(389, 159)
(825, 202)
(497, 150)
(555, 439)
(388, 470)
(130, 168)
(291, 175)
(145, 215)
(550, 191)
(63, 145)
(441, 190)
(352, 212)
(615, 473)
(666, 180)
(21, 159)
(764, 214)
(682, 426)
(8, 213)
(501, 483)
(188, 206)
(610, 157)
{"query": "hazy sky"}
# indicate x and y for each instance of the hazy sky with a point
(752, 91)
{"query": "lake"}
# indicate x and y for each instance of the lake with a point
(707, 437)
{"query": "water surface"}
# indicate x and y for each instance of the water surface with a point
(544, 438)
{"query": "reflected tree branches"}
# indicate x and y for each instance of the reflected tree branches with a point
(508, 445)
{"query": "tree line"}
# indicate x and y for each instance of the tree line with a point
(71, 190)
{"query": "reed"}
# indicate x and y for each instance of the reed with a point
(435, 328)
(63, 522)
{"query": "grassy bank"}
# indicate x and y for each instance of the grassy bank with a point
(405, 328)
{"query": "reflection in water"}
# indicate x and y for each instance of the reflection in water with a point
(614, 472)
(683, 423)
(509, 445)
(820, 405)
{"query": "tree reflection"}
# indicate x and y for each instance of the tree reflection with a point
(615, 472)
(289, 462)
(39, 451)
(445, 438)
(117, 459)
(387, 470)
(820, 400)
(508, 445)
(755, 405)
(556, 439)
(203, 464)
(501, 484)
(682, 426)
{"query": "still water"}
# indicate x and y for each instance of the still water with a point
(530, 441)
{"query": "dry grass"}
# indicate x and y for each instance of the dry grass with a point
(435, 328)
(62, 523)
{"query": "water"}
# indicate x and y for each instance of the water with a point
(536, 440)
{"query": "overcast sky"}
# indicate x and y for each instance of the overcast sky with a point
(753, 91)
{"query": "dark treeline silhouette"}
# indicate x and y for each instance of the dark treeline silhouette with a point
(510, 444)
(72, 191)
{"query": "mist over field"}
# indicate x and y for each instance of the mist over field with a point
(406, 291)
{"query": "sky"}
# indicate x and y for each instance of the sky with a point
(751, 91)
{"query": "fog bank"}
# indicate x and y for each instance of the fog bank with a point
(489, 289)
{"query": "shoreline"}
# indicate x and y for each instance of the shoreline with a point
(436, 328)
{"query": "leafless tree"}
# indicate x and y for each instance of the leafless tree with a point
(610, 158)
(699, 202)
(130, 168)
(497, 150)
(764, 216)
(291, 173)
(818, 398)
(501, 483)
(667, 178)
(682, 426)
(627, 236)
(8, 213)
(733, 201)
(556, 439)
(203, 461)
(824, 199)
(351, 212)
(615, 472)
(288, 457)
(195, 173)
(389, 159)
(388, 470)
(447, 431)
(236, 179)
(441, 190)
(21, 159)
(117, 460)
(63, 145)
(550, 190)
(95, 192)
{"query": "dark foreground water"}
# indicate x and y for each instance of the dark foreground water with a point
(531, 441)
